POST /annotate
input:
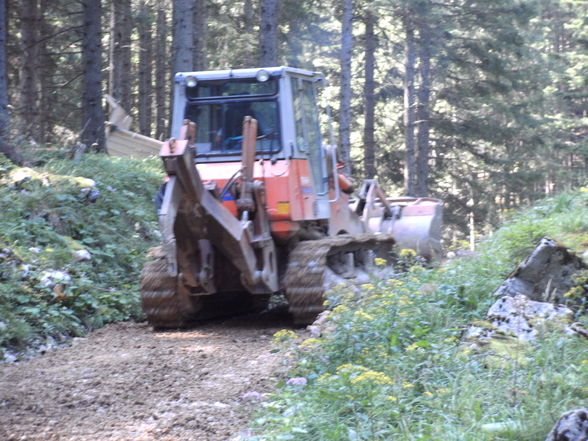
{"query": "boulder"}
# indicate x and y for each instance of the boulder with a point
(518, 317)
(521, 316)
(572, 426)
(545, 276)
(82, 255)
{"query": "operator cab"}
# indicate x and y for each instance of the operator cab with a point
(281, 99)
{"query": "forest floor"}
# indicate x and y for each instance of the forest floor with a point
(126, 382)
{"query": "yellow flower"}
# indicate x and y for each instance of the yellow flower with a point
(405, 252)
(373, 377)
(442, 391)
(403, 313)
(349, 367)
(340, 309)
(407, 385)
(427, 393)
(395, 282)
(284, 335)
(391, 398)
(323, 378)
(363, 315)
(412, 347)
(368, 286)
(379, 261)
(404, 300)
(311, 342)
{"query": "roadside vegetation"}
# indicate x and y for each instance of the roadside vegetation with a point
(391, 365)
(72, 241)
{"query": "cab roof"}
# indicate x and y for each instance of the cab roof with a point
(246, 73)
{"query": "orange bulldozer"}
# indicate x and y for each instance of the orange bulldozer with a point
(255, 204)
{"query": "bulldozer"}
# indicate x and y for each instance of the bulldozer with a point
(255, 202)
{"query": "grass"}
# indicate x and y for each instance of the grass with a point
(393, 369)
(101, 205)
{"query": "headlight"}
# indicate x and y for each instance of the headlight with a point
(262, 76)
(191, 81)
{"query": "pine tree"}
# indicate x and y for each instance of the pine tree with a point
(268, 33)
(200, 34)
(345, 106)
(145, 73)
(28, 106)
(183, 36)
(5, 147)
(120, 52)
(162, 70)
(369, 94)
(93, 114)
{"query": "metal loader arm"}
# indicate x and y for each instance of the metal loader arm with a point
(207, 219)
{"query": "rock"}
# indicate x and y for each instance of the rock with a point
(297, 381)
(252, 396)
(521, 317)
(51, 278)
(5, 253)
(82, 255)
(572, 426)
(90, 194)
(25, 270)
(321, 325)
(545, 276)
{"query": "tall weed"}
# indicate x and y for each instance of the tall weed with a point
(393, 368)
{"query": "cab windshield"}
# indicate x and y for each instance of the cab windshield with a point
(218, 109)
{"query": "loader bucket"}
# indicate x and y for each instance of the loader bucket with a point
(120, 141)
(415, 224)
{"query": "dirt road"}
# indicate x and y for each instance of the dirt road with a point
(125, 382)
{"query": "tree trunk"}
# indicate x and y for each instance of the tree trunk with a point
(120, 52)
(162, 71)
(145, 67)
(28, 109)
(183, 39)
(249, 21)
(47, 70)
(369, 96)
(409, 101)
(345, 106)
(423, 110)
(268, 37)
(5, 147)
(93, 114)
(4, 114)
(200, 34)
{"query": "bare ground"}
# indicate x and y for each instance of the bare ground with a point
(126, 382)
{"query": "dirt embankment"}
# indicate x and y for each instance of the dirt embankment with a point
(125, 382)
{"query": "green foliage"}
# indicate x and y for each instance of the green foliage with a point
(393, 369)
(48, 214)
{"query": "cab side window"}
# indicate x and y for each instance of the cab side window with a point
(308, 134)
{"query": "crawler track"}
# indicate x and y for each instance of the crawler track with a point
(308, 263)
(160, 298)
(168, 305)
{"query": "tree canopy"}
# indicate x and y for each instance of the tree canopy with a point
(482, 104)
